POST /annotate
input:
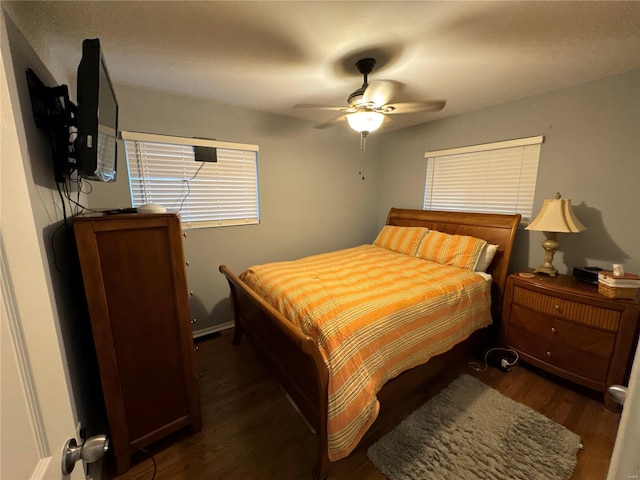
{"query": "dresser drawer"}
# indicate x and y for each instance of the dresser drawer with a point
(559, 355)
(590, 315)
(574, 335)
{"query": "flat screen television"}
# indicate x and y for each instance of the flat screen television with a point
(92, 152)
(97, 119)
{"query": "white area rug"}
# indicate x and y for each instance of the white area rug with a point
(470, 431)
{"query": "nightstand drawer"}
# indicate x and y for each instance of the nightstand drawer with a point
(573, 361)
(584, 313)
(576, 336)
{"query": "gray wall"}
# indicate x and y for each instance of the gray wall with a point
(63, 278)
(312, 199)
(311, 196)
(591, 155)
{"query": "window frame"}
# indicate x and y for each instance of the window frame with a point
(221, 187)
(462, 163)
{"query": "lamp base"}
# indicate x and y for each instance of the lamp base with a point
(550, 246)
(552, 272)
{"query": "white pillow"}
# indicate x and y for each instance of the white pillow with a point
(486, 256)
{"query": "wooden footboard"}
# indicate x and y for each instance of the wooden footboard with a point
(295, 359)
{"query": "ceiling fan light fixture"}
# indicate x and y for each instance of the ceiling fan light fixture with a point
(365, 121)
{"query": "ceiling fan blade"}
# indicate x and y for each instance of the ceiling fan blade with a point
(331, 123)
(380, 92)
(321, 107)
(414, 107)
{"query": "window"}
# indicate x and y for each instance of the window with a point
(209, 193)
(491, 178)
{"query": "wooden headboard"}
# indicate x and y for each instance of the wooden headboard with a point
(497, 229)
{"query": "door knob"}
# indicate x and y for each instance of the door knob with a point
(91, 450)
(618, 393)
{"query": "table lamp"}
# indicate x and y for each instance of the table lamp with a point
(556, 216)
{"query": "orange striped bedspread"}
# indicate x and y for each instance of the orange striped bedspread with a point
(373, 313)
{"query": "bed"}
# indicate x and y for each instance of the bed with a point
(303, 356)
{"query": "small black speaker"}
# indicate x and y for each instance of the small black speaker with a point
(587, 274)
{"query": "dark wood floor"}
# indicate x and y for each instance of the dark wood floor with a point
(250, 431)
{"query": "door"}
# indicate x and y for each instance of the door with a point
(37, 415)
(625, 464)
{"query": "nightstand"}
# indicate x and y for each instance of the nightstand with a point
(564, 326)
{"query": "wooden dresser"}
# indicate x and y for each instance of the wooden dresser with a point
(134, 276)
(566, 327)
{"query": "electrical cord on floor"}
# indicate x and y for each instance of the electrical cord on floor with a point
(505, 364)
(155, 465)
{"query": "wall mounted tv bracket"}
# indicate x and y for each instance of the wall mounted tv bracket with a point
(54, 113)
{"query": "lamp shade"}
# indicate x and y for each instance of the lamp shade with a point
(556, 215)
(365, 121)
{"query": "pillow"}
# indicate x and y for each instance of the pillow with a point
(400, 239)
(486, 256)
(454, 250)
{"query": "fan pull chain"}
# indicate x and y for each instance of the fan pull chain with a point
(363, 136)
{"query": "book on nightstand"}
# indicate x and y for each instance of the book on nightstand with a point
(625, 286)
(629, 280)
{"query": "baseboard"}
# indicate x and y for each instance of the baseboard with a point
(214, 329)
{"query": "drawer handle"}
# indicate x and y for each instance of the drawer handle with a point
(553, 330)
(557, 307)
(548, 354)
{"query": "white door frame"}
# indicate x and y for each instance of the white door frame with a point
(625, 461)
(37, 410)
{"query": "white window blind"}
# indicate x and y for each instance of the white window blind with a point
(164, 170)
(491, 178)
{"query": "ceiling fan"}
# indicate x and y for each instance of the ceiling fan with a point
(368, 105)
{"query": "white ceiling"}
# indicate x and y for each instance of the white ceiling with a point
(269, 56)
